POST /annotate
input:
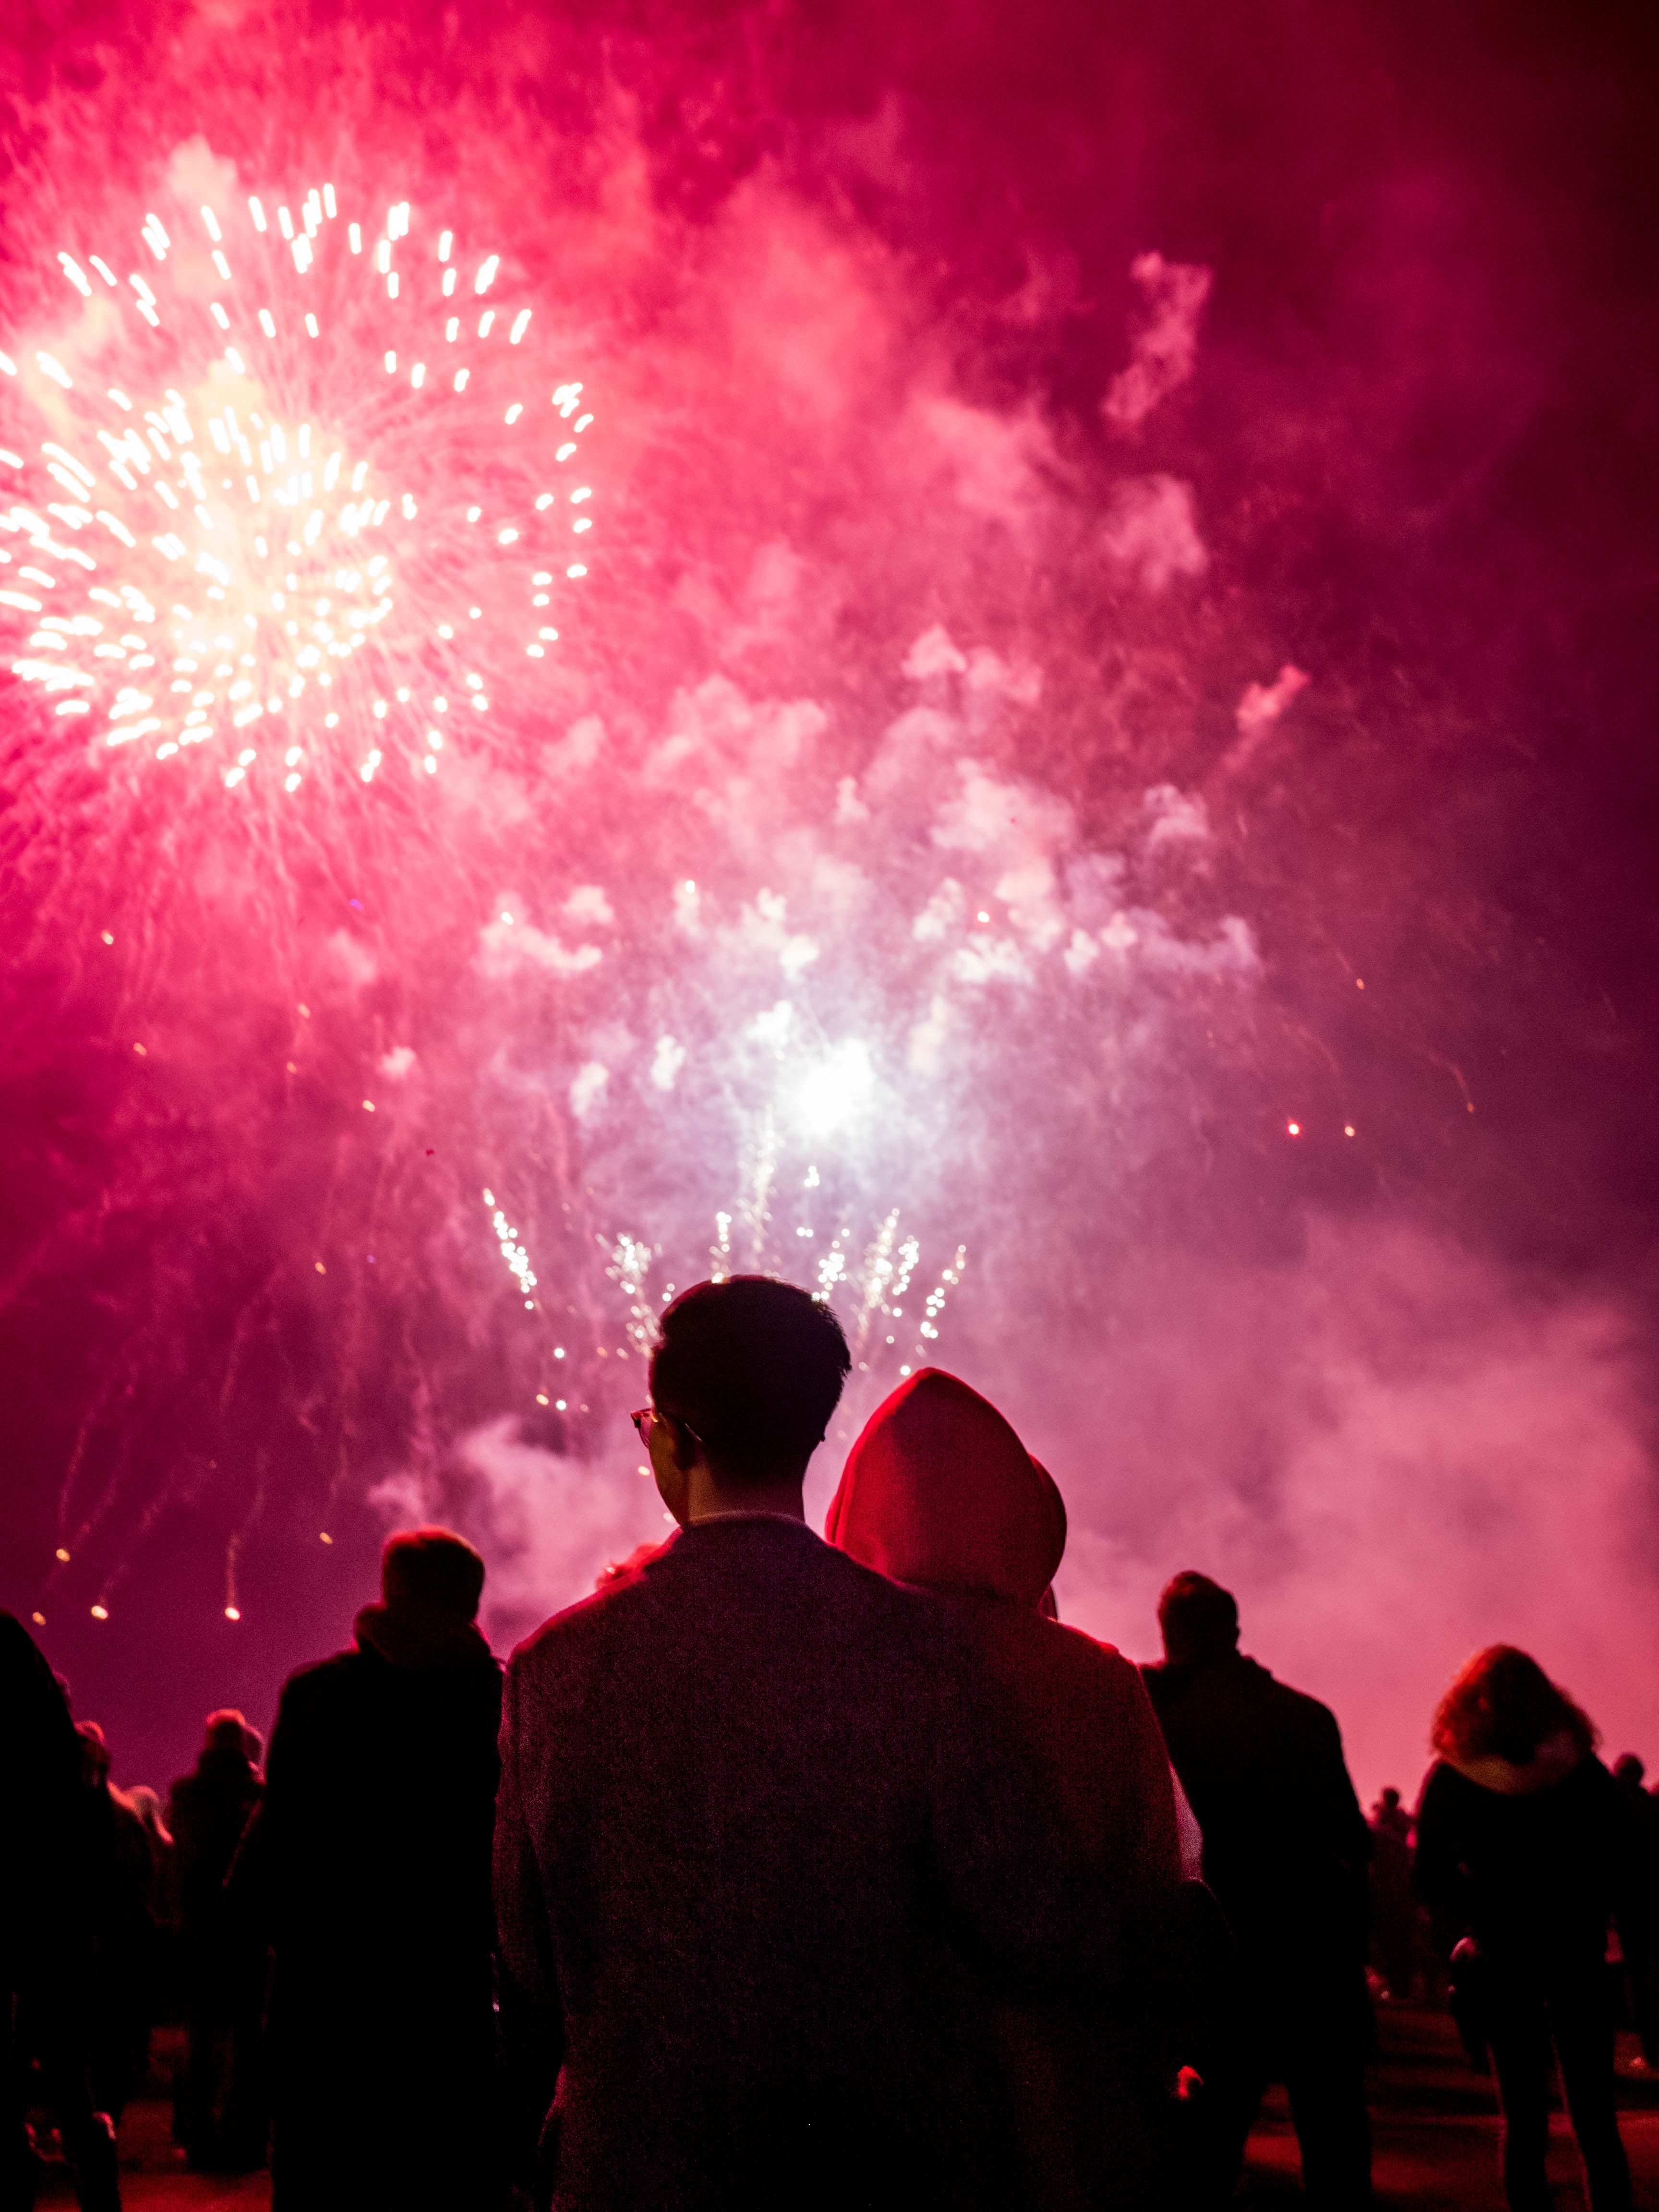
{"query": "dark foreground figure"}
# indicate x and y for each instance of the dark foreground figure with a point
(1286, 1851)
(939, 1491)
(1524, 1855)
(370, 1864)
(220, 2115)
(51, 1884)
(763, 1838)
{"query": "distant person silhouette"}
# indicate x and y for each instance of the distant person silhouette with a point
(938, 1491)
(764, 1834)
(369, 1869)
(1639, 1934)
(1393, 1903)
(1524, 1856)
(1286, 1851)
(219, 2106)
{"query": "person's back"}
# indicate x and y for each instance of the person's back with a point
(120, 1931)
(370, 1864)
(1286, 1844)
(1286, 1851)
(219, 2113)
(48, 1883)
(757, 1810)
(938, 1491)
(1524, 1856)
(207, 1810)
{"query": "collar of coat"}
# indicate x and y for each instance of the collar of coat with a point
(410, 1634)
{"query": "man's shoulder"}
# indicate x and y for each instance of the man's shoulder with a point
(1297, 1707)
(778, 1567)
(321, 1680)
(1089, 1659)
(1234, 1683)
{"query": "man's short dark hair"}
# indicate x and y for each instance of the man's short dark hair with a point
(1199, 1619)
(754, 1368)
(432, 1566)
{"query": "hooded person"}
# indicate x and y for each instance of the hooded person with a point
(368, 1870)
(939, 1492)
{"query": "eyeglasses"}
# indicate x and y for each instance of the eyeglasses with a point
(646, 1414)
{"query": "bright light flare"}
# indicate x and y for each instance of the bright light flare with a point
(244, 544)
(839, 1088)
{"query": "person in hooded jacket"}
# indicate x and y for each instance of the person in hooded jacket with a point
(1524, 1857)
(1286, 1851)
(369, 1869)
(939, 1492)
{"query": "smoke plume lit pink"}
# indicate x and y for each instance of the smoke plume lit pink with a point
(905, 870)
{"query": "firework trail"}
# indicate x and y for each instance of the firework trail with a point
(509, 965)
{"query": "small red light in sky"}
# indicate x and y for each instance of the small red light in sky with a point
(1294, 1127)
(100, 1613)
(1348, 1129)
(233, 1613)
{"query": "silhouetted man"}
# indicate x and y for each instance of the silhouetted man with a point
(219, 2110)
(1285, 1848)
(49, 1875)
(120, 1929)
(1393, 1905)
(370, 1865)
(756, 1804)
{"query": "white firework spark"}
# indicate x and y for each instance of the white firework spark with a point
(327, 508)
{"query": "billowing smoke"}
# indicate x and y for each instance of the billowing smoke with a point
(952, 854)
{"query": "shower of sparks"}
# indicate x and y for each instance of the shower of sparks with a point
(516, 1256)
(325, 514)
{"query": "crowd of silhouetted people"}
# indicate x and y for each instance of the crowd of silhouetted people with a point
(786, 1871)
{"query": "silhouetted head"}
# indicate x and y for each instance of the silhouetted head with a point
(938, 1490)
(752, 1368)
(1199, 1620)
(432, 1567)
(226, 1731)
(1628, 1769)
(1390, 1799)
(1504, 1705)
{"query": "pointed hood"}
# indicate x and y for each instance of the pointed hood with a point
(938, 1490)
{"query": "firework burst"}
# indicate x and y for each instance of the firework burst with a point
(303, 498)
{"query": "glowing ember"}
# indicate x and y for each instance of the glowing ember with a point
(244, 546)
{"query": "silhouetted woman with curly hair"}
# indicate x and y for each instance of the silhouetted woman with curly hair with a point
(1524, 1858)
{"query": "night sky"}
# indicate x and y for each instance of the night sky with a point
(930, 575)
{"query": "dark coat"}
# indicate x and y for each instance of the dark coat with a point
(939, 1491)
(758, 1805)
(55, 1869)
(42, 1845)
(370, 1866)
(1535, 1875)
(208, 1811)
(1286, 1844)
